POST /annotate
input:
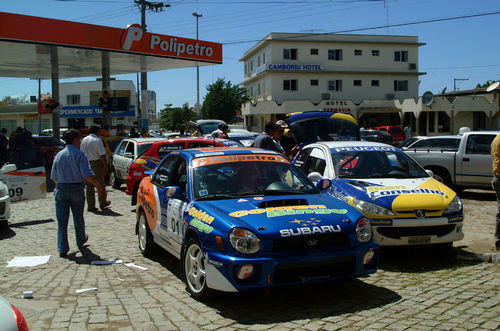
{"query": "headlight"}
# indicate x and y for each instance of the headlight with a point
(371, 208)
(363, 230)
(455, 206)
(244, 241)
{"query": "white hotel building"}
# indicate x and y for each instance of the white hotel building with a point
(358, 74)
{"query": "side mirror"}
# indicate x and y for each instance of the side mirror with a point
(315, 176)
(429, 172)
(8, 168)
(323, 184)
(174, 192)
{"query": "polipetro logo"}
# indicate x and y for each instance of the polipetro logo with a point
(132, 33)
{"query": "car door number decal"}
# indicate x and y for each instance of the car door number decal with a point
(17, 192)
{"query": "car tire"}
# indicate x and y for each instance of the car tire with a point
(114, 180)
(194, 270)
(146, 243)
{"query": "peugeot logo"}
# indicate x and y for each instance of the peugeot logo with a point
(421, 213)
(312, 242)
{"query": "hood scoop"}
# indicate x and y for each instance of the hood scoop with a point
(283, 202)
(358, 183)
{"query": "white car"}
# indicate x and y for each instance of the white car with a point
(20, 185)
(406, 205)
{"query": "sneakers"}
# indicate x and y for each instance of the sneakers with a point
(83, 243)
(92, 209)
(63, 255)
(107, 203)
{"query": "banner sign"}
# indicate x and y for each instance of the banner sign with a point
(92, 111)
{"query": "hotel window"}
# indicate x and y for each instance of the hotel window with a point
(400, 85)
(263, 58)
(258, 89)
(314, 51)
(358, 52)
(375, 82)
(258, 61)
(335, 85)
(335, 54)
(357, 82)
(73, 99)
(251, 91)
(290, 85)
(375, 52)
(251, 66)
(401, 56)
(290, 53)
(314, 82)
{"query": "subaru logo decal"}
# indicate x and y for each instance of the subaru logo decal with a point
(420, 213)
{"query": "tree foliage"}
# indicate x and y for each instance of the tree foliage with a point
(222, 100)
(174, 118)
(488, 83)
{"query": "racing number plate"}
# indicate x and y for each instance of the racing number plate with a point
(421, 240)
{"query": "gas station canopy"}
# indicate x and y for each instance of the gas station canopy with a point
(27, 42)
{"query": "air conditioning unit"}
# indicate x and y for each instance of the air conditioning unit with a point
(412, 66)
(325, 96)
(389, 96)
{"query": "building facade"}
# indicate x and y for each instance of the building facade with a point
(356, 74)
(80, 103)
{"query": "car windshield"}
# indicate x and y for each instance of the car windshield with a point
(219, 177)
(374, 162)
(209, 127)
(48, 141)
(324, 129)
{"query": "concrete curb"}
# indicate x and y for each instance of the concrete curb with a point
(484, 257)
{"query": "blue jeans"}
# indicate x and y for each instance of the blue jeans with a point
(69, 196)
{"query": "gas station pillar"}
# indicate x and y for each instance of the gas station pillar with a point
(106, 88)
(54, 68)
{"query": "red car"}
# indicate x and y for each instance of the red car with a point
(160, 148)
(395, 131)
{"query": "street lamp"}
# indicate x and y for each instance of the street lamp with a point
(195, 14)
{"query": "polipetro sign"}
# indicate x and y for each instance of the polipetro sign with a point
(134, 39)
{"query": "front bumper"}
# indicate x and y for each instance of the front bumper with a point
(401, 232)
(222, 271)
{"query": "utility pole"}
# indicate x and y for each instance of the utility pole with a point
(152, 6)
(195, 14)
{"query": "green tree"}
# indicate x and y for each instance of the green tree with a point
(223, 99)
(488, 83)
(173, 118)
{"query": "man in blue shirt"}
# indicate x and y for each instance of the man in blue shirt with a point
(69, 171)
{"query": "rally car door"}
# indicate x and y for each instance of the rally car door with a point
(172, 209)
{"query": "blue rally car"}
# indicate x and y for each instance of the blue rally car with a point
(245, 218)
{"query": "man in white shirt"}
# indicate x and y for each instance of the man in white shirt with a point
(93, 148)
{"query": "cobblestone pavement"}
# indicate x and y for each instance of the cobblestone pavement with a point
(417, 289)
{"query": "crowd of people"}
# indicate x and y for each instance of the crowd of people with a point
(17, 139)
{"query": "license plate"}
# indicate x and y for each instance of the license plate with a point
(421, 240)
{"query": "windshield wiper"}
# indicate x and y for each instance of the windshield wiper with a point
(216, 197)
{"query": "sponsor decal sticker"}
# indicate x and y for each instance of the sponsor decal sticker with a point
(365, 148)
(221, 158)
(375, 192)
(455, 219)
(202, 227)
(201, 215)
(381, 222)
(289, 210)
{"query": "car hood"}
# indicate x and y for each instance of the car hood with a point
(396, 194)
(300, 214)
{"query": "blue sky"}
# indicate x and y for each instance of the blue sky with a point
(455, 49)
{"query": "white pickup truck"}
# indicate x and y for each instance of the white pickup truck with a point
(469, 166)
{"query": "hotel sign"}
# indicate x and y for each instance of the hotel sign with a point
(289, 67)
(340, 106)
